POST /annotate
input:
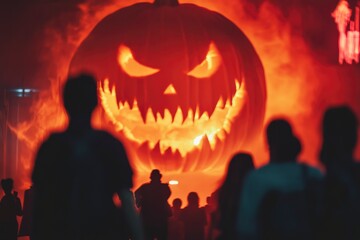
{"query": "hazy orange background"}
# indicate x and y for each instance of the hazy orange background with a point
(296, 41)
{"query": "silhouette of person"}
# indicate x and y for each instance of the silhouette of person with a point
(176, 226)
(212, 216)
(230, 193)
(282, 174)
(77, 173)
(194, 218)
(26, 221)
(152, 198)
(10, 207)
(176, 208)
(341, 213)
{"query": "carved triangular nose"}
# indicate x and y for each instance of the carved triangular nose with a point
(170, 90)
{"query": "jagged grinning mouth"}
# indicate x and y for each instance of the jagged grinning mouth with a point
(172, 131)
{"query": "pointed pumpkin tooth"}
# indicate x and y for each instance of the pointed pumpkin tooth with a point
(121, 105)
(126, 105)
(190, 117)
(204, 116)
(197, 114)
(135, 105)
(158, 117)
(151, 144)
(106, 86)
(167, 116)
(220, 103)
(228, 103)
(173, 150)
(210, 140)
(150, 118)
(178, 119)
(113, 91)
(241, 91)
(237, 84)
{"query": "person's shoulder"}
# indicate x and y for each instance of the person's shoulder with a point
(143, 186)
(314, 172)
(262, 170)
(53, 140)
(55, 136)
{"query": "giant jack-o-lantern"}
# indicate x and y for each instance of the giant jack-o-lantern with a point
(182, 84)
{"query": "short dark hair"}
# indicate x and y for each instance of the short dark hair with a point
(280, 138)
(80, 94)
(155, 174)
(7, 184)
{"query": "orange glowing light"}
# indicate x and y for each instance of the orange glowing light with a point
(210, 64)
(173, 182)
(131, 66)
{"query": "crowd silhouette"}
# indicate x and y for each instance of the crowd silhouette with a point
(78, 172)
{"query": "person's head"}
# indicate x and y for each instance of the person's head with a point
(80, 95)
(283, 145)
(7, 185)
(339, 131)
(177, 203)
(155, 175)
(239, 165)
(193, 199)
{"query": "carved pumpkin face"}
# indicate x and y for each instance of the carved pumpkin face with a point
(181, 83)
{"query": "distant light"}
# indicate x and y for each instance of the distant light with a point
(173, 182)
(23, 92)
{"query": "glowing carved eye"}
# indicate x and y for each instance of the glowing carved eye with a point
(209, 66)
(132, 67)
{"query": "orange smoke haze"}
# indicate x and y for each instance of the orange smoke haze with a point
(299, 85)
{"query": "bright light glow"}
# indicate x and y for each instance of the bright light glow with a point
(132, 67)
(23, 90)
(173, 182)
(197, 140)
(210, 64)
